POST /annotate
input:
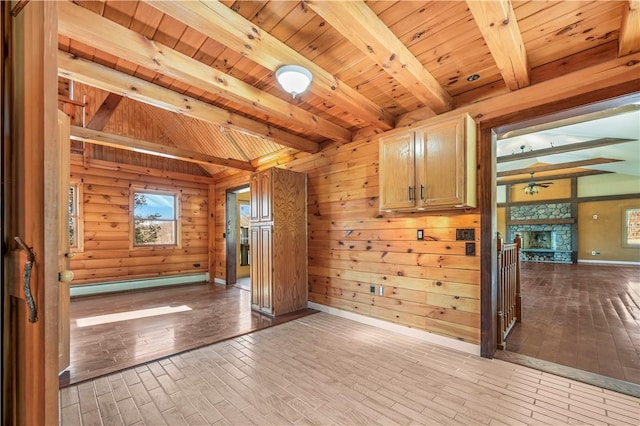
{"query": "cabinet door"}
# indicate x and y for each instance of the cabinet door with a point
(255, 196)
(266, 195)
(441, 165)
(266, 266)
(255, 268)
(397, 172)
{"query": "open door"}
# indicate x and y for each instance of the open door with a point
(30, 211)
(64, 248)
(231, 237)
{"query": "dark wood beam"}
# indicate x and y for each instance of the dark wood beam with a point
(595, 143)
(556, 177)
(633, 196)
(102, 115)
(559, 166)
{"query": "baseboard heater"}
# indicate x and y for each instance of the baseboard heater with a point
(110, 287)
(610, 262)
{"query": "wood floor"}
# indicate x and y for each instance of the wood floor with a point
(583, 316)
(104, 337)
(322, 369)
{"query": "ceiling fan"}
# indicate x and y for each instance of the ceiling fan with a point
(533, 187)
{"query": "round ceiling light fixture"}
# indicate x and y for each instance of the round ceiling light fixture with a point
(473, 77)
(294, 79)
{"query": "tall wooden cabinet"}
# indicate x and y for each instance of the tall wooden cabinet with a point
(278, 233)
(431, 167)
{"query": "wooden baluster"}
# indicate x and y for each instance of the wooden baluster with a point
(518, 241)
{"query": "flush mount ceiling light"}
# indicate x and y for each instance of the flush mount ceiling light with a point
(294, 79)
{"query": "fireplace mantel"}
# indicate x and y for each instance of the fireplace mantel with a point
(543, 221)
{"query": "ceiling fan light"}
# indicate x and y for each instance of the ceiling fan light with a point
(294, 79)
(531, 190)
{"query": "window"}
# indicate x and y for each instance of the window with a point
(155, 218)
(76, 238)
(631, 232)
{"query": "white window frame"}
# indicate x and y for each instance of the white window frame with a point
(78, 217)
(177, 217)
(626, 212)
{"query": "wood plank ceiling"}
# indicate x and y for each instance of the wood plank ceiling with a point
(206, 69)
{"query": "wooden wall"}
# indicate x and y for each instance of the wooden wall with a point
(605, 234)
(107, 255)
(429, 285)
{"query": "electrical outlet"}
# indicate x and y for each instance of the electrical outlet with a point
(595, 253)
(381, 291)
(470, 249)
(372, 289)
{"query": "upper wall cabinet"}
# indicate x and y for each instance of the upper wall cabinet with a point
(432, 167)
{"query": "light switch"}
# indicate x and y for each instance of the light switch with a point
(420, 235)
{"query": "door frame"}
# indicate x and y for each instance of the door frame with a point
(230, 237)
(486, 146)
(30, 210)
(231, 240)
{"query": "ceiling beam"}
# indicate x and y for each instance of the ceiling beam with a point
(558, 166)
(82, 25)
(555, 177)
(499, 27)
(222, 24)
(561, 91)
(595, 143)
(102, 115)
(110, 80)
(629, 37)
(116, 141)
(360, 25)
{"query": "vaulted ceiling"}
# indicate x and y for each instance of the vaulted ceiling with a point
(205, 69)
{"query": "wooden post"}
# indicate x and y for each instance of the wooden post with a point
(500, 310)
(518, 241)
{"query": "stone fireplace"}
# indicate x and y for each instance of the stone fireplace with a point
(546, 235)
(538, 240)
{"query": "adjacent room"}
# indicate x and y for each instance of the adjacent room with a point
(304, 212)
(568, 186)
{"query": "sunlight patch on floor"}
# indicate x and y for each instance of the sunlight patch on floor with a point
(129, 315)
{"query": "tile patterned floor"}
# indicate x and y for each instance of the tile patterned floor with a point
(583, 316)
(215, 313)
(323, 369)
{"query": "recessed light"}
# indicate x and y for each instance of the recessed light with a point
(473, 77)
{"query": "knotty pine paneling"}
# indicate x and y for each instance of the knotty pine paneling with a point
(130, 119)
(107, 255)
(429, 285)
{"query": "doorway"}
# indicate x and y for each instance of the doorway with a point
(567, 179)
(238, 250)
